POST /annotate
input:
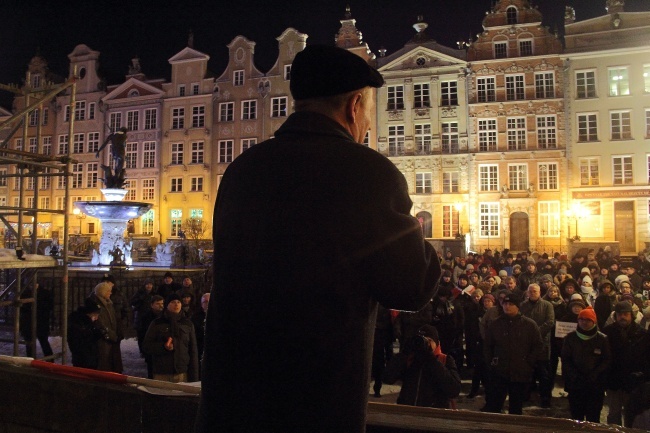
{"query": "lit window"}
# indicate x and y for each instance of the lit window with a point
(489, 219)
(589, 173)
(547, 175)
(549, 218)
(488, 177)
(619, 82)
(518, 177)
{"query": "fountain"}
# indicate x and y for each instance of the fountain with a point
(113, 213)
(113, 216)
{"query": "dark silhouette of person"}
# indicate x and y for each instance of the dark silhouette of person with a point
(44, 309)
(304, 258)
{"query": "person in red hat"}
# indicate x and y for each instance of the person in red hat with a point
(586, 357)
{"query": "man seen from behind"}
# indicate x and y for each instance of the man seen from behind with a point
(311, 230)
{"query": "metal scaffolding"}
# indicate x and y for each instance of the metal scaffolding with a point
(30, 166)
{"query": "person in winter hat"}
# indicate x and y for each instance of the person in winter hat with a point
(586, 358)
(587, 290)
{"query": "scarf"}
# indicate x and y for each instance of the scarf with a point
(439, 355)
(588, 334)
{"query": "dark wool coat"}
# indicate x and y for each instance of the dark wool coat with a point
(110, 354)
(83, 337)
(512, 346)
(310, 230)
(425, 380)
(585, 363)
(630, 356)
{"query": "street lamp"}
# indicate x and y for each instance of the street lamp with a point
(576, 212)
(80, 216)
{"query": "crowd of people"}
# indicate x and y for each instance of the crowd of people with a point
(169, 322)
(511, 320)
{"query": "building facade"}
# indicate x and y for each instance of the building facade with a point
(422, 127)
(517, 132)
(607, 61)
(137, 104)
(513, 142)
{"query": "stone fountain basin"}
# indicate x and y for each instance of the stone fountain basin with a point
(113, 210)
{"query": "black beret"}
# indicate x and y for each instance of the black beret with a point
(322, 70)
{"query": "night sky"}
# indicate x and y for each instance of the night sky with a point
(156, 30)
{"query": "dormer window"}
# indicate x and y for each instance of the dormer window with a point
(511, 15)
(36, 81)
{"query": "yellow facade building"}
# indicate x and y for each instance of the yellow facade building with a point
(607, 63)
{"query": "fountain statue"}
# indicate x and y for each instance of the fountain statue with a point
(113, 213)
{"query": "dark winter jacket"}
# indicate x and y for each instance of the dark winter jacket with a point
(512, 346)
(83, 336)
(290, 325)
(543, 314)
(585, 363)
(141, 304)
(630, 356)
(425, 380)
(184, 357)
(44, 308)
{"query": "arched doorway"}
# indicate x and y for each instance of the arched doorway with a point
(425, 220)
(519, 231)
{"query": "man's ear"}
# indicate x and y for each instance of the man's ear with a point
(353, 107)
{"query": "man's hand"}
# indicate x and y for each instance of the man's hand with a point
(169, 345)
